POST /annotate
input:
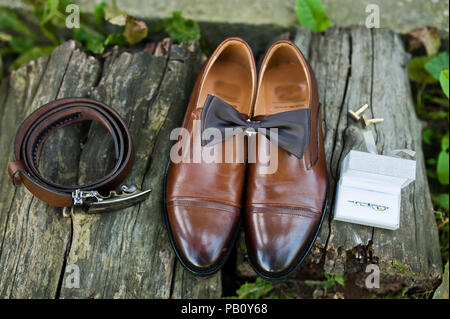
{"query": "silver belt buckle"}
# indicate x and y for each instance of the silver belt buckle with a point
(95, 203)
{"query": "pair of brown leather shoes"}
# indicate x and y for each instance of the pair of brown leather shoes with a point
(204, 199)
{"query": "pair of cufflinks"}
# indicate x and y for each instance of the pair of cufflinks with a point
(357, 116)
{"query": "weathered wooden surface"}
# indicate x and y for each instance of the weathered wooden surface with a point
(355, 66)
(122, 254)
(126, 254)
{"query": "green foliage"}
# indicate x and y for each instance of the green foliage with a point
(311, 14)
(181, 29)
(19, 44)
(90, 42)
(441, 201)
(22, 40)
(442, 165)
(29, 44)
(5, 37)
(134, 30)
(32, 54)
(430, 76)
(417, 72)
(438, 174)
(400, 295)
(331, 281)
(99, 13)
(256, 290)
(437, 64)
(442, 291)
(9, 20)
(51, 17)
(427, 136)
(115, 39)
(443, 79)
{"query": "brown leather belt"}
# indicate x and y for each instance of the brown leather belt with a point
(45, 121)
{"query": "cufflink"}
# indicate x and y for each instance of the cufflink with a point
(367, 122)
(356, 114)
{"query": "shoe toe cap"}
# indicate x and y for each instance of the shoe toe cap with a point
(277, 241)
(202, 235)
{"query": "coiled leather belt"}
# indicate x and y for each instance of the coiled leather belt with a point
(44, 122)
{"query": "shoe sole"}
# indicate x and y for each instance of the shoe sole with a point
(203, 272)
(300, 258)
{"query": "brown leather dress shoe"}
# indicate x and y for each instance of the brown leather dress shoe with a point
(204, 199)
(284, 210)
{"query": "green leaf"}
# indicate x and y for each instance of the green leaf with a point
(417, 72)
(445, 143)
(256, 290)
(441, 201)
(49, 15)
(9, 20)
(115, 16)
(5, 37)
(313, 283)
(324, 284)
(6, 50)
(21, 45)
(50, 32)
(437, 115)
(427, 136)
(444, 81)
(427, 36)
(115, 39)
(135, 30)
(431, 173)
(1, 67)
(440, 101)
(181, 29)
(32, 54)
(312, 15)
(99, 13)
(437, 64)
(50, 10)
(95, 46)
(339, 278)
(90, 42)
(442, 165)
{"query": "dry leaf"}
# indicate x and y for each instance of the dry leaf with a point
(428, 37)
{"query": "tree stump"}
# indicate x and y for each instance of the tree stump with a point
(126, 253)
(355, 66)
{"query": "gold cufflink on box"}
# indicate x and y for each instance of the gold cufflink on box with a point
(356, 115)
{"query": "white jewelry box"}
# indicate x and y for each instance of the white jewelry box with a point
(369, 189)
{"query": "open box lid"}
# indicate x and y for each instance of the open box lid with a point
(380, 169)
